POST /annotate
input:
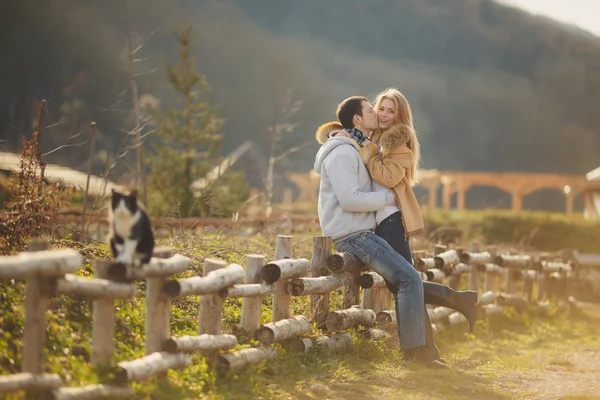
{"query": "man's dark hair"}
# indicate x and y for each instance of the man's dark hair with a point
(348, 108)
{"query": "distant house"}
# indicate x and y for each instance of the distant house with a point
(10, 162)
(591, 196)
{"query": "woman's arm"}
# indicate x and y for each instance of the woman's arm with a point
(386, 171)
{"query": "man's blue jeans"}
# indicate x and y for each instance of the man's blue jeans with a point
(409, 302)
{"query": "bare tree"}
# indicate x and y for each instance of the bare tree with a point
(280, 127)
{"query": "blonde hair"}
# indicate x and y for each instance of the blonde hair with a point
(403, 117)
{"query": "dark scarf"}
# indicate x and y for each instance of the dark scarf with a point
(357, 135)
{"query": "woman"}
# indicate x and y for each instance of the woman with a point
(392, 159)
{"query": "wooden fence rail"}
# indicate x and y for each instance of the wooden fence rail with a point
(52, 273)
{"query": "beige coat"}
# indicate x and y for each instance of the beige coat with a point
(392, 168)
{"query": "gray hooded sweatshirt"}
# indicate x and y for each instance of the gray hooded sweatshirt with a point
(346, 198)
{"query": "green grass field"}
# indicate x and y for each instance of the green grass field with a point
(510, 356)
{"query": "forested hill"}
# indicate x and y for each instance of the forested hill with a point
(492, 87)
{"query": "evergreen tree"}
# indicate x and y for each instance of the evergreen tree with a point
(188, 136)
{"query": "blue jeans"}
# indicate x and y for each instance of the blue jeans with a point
(408, 300)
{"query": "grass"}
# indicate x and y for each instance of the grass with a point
(492, 363)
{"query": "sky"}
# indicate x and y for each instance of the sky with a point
(583, 13)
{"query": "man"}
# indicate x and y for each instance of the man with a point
(346, 213)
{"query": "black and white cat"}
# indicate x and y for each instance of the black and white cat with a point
(130, 232)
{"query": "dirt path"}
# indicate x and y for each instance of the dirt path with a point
(567, 376)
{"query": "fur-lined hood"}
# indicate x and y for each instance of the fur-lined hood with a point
(324, 130)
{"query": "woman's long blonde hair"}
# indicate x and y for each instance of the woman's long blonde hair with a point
(403, 116)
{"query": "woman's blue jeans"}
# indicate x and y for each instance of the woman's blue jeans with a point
(409, 302)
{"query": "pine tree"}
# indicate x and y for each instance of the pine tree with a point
(188, 134)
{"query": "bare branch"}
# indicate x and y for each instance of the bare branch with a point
(292, 150)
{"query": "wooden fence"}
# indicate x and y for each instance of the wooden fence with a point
(50, 273)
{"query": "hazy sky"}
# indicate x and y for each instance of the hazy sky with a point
(583, 13)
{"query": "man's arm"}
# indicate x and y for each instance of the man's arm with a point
(341, 170)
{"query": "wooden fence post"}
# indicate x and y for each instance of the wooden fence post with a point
(473, 274)
(319, 303)
(211, 305)
(490, 278)
(34, 335)
(281, 299)
(251, 306)
(158, 309)
(103, 322)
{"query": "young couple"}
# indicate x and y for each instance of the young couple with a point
(368, 163)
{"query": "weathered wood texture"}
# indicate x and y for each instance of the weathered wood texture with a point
(251, 306)
(29, 381)
(241, 359)
(349, 318)
(319, 302)
(148, 366)
(199, 344)
(283, 330)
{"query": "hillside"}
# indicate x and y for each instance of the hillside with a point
(493, 88)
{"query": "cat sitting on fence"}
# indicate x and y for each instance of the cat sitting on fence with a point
(130, 232)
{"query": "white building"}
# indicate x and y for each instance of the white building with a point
(591, 197)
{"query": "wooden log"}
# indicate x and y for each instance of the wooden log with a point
(382, 299)
(423, 264)
(319, 303)
(344, 262)
(251, 306)
(446, 259)
(440, 314)
(486, 298)
(103, 323)
(491, 309)
(320, 285)
(492, 271)
(438, 249)
(474, 273)
(512, 300)
(285, 269)
(349, 318)
(456, 318)
(513, 260)
(368, 299)
(551, 266)
(211, 283)
(371, 279)
(148, 366)
(240, 359)
(251, 290)
(283, 330)
(199, 344)
(298, 345)
(587, 259)
(477, 258)
(211, 305)
(29, 381)
(36, 304)
(95, 288)
(281, 299)
(437, 328)
(42, 264)
(156, 268)
(375, 334)
(384, 318)
(460, 269)
(335, 343)
(92, 392)
(435, 275)
(351, 290)
(158, 305)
